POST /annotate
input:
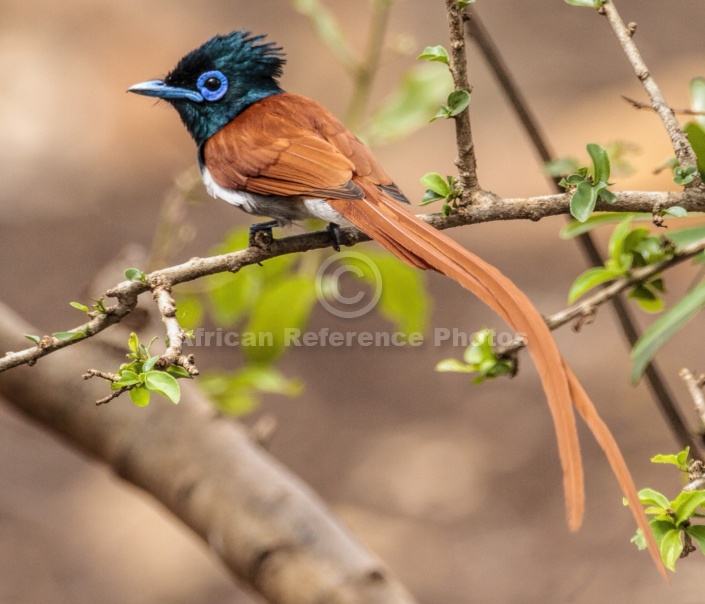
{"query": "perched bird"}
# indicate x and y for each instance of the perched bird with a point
(281, 155)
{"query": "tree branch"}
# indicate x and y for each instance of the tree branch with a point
(681, 145)
(268, 527)
(466, 162)
(486, 207)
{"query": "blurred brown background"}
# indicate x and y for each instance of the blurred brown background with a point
(456, 488)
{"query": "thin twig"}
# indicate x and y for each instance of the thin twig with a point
(660, 392)
(466, 162)
(681, 145)
(588, 306)
(640, 105)
(174, 332)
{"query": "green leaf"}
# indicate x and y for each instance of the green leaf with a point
(589, 279)
(453, 365)
(676, 212)
(285, 305)
(600, 163)
(664, 328)
(697, 98)
(436, 183)
(652, 497)
(127, 378)
(133, 343)
(420, 91)
(671, 548)
(696, 136)
(458, 101)
(647, 299)
(150, 363)
(135, 274)
(163, 383)
(178, 372)
(586, 3)
(67, 336)
(430, 197)
(434, 53)
(81, 307)
(575, 228)
(463, 4)
(676, 460)
(33, 338)
(616, 248)
(140, 396)
(686, 503)
(583, 201)
(684, 176)
(697, 533)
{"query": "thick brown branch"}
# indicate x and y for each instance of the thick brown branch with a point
(268, 527)
(681, 145)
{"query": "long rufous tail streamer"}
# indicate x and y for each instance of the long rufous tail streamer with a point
(412, 240)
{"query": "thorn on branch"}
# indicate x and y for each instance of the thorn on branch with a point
(631, 28)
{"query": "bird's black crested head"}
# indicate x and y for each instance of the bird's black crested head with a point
(214, 83)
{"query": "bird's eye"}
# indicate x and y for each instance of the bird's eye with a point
(212, 85)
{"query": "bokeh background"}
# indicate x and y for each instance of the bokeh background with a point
(458, 489)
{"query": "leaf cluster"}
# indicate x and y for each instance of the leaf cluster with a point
(480, 358)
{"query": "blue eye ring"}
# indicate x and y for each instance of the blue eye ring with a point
(207, 82)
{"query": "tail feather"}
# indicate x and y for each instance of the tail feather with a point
(398, 230)
(419, 244)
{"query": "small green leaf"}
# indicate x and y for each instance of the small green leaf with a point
(664, 328)
(430, 197)
(586, 3)
(139, 396)
(135, 274)
(178, 372)
(33, 338)
(453, 365)
(163, 383)
(81, 307)
(458, 101)
(150, 363)
(434, 53)
(697, 533)
(436, 183)
(463, 4)
(652, 497)
(67, 336)
(686, 503)
(671, 548)
(127, 378)
(676, 211)
(133, 343)
(647, 299)
(589, 279)
(684, 176)
(675, 460)
(583, 201)
(600, 163)
(696, 137)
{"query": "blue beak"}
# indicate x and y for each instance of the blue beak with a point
(161, 90)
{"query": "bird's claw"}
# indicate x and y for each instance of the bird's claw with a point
(261, 233)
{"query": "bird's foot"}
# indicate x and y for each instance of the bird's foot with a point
(334, 231)
(261, 233)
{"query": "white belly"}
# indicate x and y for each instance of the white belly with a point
(284, 210)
